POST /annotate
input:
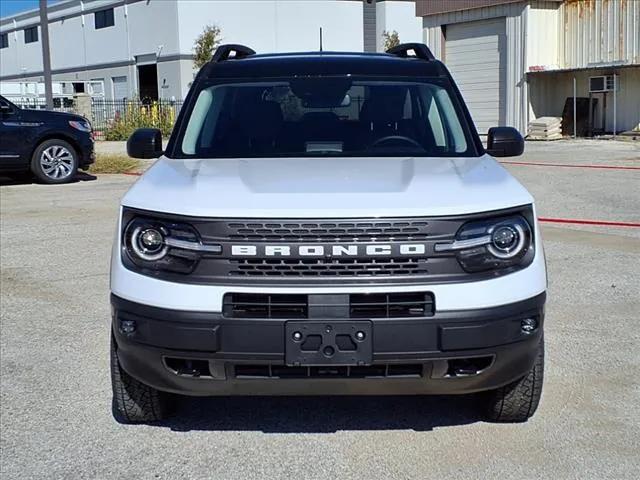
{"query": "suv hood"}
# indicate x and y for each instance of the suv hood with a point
(48, 116)
(326, 187)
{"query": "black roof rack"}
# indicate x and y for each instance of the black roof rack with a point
(420, 50)
(223, 52)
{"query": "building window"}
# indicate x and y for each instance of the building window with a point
(31, 35)
(4, 40)
(104, 18)
(120, 88)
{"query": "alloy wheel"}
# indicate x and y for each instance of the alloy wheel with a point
(56, 162)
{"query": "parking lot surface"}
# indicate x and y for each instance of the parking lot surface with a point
(55, 391)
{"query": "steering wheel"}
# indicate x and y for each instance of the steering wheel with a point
(397, 138)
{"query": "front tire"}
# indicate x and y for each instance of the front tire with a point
(55, 161)
(133, 401)
(518, 401)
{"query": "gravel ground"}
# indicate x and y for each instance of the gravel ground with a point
(55, 394)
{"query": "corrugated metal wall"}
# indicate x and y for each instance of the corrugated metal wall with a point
(599, 31)
(575, 34)
(516, 27)
(542, 34)
(432, 7)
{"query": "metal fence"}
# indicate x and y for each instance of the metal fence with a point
(106, 114)
(60, 104)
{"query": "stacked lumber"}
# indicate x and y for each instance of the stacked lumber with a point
(545, 128)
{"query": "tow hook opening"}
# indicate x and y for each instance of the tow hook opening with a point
(461, 367)
(188, 367)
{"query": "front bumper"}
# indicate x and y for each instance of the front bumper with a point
(451, 352)
(87, 151)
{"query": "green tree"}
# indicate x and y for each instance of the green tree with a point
(390, 39)
(205, 45)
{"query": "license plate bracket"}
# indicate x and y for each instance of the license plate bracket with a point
(320, 343)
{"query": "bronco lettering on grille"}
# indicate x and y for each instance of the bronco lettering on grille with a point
(407, 249)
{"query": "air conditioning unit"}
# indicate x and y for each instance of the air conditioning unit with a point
(603, 83)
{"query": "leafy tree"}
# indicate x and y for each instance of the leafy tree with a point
(205, 45)
(390, 39)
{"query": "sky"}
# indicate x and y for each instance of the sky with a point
(9, 7)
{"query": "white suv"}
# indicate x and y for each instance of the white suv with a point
(326, 223)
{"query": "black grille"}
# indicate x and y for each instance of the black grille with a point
(239, 305)
(337, 231)
(391, 305)
(372, 371)
(284, 306)
(329, 267)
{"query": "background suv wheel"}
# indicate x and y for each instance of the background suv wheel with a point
(55, 161)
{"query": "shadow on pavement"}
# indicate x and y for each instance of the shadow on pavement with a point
(322, 414)
(27, 179)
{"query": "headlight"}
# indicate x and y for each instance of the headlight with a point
(160, 245)
(492, 244)
(81, 125)
(148, 242)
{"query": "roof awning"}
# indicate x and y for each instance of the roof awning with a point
(604, 66)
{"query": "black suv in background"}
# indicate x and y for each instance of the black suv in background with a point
(51, 145)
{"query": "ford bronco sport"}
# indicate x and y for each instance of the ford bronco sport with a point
(326, 224)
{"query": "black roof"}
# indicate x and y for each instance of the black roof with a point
(323, 63)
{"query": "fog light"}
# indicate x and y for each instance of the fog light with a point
(528, 325)
(127, 326)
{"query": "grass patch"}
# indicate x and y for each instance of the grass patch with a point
(110, 163)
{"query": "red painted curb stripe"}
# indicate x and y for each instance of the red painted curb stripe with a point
(601, 223)
(566, 165)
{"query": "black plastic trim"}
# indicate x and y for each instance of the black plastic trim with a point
(208, 337)
(420, 49)
(262, 338)
(223, 52)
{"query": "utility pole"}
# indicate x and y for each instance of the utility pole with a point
(46, 55)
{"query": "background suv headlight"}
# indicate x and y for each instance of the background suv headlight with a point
(81, 125)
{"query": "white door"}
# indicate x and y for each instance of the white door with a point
(476, 57)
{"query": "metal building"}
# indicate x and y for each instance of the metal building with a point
(516, 60)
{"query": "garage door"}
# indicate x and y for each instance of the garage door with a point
(476, 57)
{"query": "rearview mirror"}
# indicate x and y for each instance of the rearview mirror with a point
(504, 142)
(145, 143)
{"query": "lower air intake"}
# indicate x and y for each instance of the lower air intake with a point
(371, 371)
(391, 305)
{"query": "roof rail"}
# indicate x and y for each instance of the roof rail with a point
(420, 50)
(223, 52)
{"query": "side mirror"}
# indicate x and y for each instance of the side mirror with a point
(504, 142)
(145, 143)
(5, 109)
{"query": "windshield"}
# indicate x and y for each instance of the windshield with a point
(325, 116)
